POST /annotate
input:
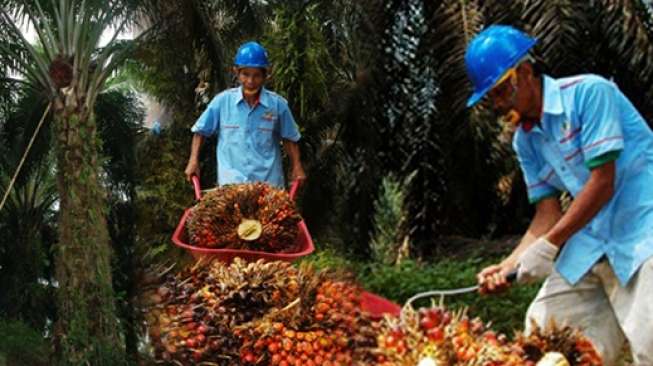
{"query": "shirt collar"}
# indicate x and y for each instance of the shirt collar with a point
(552, 103)
(263, 97)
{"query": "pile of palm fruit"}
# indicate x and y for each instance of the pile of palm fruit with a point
(251, 216)
(259, 313)
(436, 337)
(272, 313)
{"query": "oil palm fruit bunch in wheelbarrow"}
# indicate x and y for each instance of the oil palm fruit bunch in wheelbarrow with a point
(251, 216)
(437, 336)
(258, 313)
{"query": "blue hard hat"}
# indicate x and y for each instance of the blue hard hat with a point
(251, 54)
(491, 53)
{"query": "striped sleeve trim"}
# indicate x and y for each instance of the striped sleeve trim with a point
(537, 199)
(541, 182)
(592, 145)
(603, 159)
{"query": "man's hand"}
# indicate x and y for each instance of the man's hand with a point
(536, 262)
(192, 168)
(493, 279)
(297, 173)
(292, 149)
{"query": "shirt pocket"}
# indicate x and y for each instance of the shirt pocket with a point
(264, 139)
(230, 133)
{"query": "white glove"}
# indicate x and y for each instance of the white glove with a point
(536, 262)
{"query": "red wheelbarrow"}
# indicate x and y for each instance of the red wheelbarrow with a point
(304, 240)
(373, 304)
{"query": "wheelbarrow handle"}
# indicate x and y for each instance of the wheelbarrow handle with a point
(293, 188)
(198, 190)
(196, 185)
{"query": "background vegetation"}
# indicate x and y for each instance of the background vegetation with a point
(405, 186)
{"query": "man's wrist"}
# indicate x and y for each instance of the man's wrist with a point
(509, 262)
(554, 239)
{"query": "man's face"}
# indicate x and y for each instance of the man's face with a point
(512, 96)
(503, 95)
(251, 78)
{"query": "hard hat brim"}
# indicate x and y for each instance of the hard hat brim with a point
(257, 66)
(476, 97)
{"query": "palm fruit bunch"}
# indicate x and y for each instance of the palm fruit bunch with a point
(194, 314)
(326, 326)
(569, 342)
(251, 216)
(436, 337)
(440, 337)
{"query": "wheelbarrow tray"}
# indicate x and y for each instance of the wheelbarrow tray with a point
(378, 306)
(304, 243)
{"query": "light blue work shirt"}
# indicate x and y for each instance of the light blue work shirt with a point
(248, 137)
(584, 118)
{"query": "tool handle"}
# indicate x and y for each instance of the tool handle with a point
(511, 277)
(196, 186)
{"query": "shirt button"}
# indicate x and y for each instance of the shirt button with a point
(563, 169)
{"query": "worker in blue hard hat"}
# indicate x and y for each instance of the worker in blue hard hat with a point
(251, 123)
(577, 134)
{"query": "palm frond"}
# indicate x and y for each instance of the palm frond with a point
(36, 68)
(119, 117)
(501, 12)
(564, 29)
(626, 50)
(17, 130)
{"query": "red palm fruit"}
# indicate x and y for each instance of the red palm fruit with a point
(273, 347)
(287, 344)
(435, 334)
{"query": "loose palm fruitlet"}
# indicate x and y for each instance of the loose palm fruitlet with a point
(252, 216)
(437, 337)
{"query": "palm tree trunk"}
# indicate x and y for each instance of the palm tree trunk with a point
(86, 331)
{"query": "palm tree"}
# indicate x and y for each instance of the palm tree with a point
(71, 68)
